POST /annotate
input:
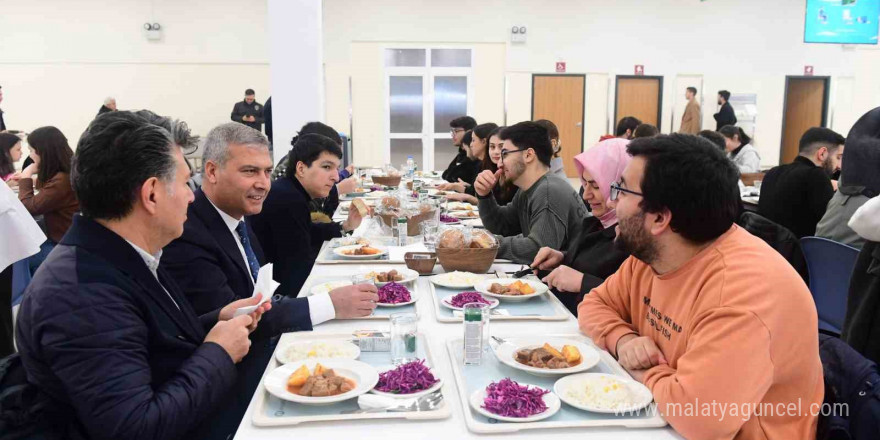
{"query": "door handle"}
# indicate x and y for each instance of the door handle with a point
(579, 124)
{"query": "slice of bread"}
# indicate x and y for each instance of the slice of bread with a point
(361, 207)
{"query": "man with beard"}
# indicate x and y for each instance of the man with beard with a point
(546, 211)
(795, 195)
(702, 311)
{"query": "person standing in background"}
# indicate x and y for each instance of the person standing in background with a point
(725, 115)
(2, 124)
(109, 106)
(690, 120)
(249, 112)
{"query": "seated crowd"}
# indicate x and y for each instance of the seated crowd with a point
(128, 326)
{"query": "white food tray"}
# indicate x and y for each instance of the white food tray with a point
(470, 378)
(546, 307)
(272, 411)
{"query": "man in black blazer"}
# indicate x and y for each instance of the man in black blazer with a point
(216, 259)
(106, 331)
(725, 115)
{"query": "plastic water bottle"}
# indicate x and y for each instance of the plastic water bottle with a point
(410, 167)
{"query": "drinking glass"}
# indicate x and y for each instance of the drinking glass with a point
(430, 231)
(757, 185)
(404, 337)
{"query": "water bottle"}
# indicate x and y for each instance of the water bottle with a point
(410, 167)
(401, 231)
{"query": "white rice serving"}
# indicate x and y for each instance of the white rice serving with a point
(601, 392)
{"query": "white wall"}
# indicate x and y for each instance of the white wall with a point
(746, 46)
(59, 59)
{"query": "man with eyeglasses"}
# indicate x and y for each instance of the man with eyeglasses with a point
(546, 210)
(461, 168)
(706, 315)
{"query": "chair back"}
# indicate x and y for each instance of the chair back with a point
(830, 265)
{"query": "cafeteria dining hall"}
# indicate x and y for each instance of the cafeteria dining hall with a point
(389, 219)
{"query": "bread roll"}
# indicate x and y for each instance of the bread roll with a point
(391, 202)
(452, 239)
(482, 239)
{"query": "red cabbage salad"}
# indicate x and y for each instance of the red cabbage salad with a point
(448, 219)
(467, 297)
(408, 378)
(393, 293)
(510, 399)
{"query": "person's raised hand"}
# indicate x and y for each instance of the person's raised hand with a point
(232, 336)
(354, 301)
(486, 180)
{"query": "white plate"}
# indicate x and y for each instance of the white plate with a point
(506, 354)
(364, 375)
(464, 280)
(474, 223)
(483, 287)
(461, 206)
(346, 350)
(412, 299)
(447, 302)
(339, 252)
(417, 394)
(550, 400)
(377, 195)
(328, 286)
(641, 394)
(465, 215)
(408, 275)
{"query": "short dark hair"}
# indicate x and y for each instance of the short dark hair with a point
(627, 123)
(692, 90)
(645, 130)
(724, 94)
(528, 134)
(7, 141)
(54, 151)
(114, 157)
(316, 127)
(467, 138)
(308, 148)
(179, 130)
(249, 92)
(729, 131)
(484, 130)
(691, 178)
(465, 122)
(552, 129)
(818, 137)
(715, 137)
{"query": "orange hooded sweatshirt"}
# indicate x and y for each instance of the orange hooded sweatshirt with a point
(738, 328)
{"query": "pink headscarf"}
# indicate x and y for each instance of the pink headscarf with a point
(605, 162)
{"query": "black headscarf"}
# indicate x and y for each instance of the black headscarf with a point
(860, 173)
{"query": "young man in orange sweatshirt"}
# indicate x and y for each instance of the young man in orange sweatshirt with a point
(711, 319)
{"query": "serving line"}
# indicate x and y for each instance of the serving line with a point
(453, 427)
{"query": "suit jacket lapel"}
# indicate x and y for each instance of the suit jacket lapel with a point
(218, 229)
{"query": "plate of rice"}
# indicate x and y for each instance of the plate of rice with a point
(603, 393)
(457, 280)
(302, 350)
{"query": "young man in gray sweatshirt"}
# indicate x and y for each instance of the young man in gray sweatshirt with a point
(546, 210)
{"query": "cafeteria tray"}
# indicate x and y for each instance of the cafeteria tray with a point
(469, 378)
(272, 411)
(546, 307)
(379, 313)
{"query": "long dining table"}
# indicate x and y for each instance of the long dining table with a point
(453, 427)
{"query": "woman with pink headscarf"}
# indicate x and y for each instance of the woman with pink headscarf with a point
(592, 256)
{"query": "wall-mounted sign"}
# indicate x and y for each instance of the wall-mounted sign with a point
(560, 67)
(639, 69)
(808, 70)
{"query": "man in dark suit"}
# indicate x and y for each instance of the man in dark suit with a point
(216, 259)
(725, 115)
(248, 112)
(796, 195)
(106, 331)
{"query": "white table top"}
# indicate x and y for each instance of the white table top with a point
(453, 427)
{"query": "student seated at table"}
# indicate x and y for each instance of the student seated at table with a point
(545, 212)
(461, 168)
(740, 149)
(503, 190)
(56, 201)
(795, 195)
(106, 332)
(557, 167)
(859, 181)
(592, 256)
(217, 258)
(284, 227)
(476, 143)
(704, 312)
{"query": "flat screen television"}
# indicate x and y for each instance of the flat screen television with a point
(842, 21)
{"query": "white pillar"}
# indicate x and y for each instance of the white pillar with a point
(296, 68)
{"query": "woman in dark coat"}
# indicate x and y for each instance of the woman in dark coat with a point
(592, 256)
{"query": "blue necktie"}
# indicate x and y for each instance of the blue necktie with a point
(248, 250)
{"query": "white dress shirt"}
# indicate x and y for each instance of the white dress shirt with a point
(320, 306)
(152, 262)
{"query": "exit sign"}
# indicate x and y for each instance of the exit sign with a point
(808, 70)
(639, 69)
(560, 67)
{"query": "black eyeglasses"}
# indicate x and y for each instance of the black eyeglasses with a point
(616, 189)
(456, 130)
(504, 153)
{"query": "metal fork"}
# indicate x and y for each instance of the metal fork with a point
(427, 402)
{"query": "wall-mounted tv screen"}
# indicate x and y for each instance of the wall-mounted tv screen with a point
(842, 21)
